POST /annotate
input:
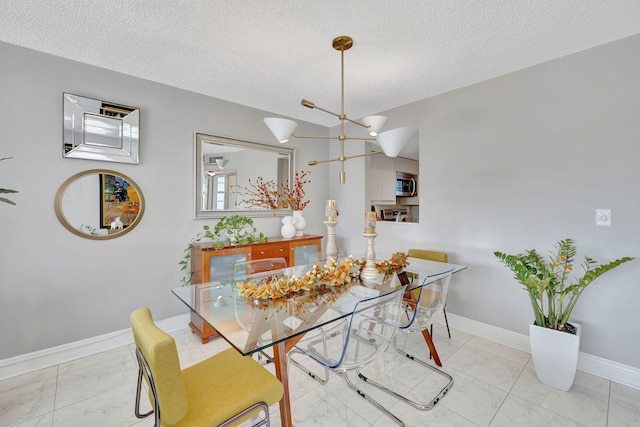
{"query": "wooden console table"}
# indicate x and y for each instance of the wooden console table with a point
(209, 264)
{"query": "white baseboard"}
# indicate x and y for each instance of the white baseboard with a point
(614, 371)
(30, 362)
(41, 359)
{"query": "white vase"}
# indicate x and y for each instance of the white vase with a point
(288, 230)
(299, 222)
(555, 355)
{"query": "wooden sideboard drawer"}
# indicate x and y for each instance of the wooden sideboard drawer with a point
(270, 250)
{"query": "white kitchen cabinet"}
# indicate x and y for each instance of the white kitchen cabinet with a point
(406, 165)
(381, 180)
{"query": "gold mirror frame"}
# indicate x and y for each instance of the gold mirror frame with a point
(58, 201)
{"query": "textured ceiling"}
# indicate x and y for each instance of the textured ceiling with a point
(271, 54)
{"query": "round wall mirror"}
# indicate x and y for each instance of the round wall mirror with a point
(99, 204)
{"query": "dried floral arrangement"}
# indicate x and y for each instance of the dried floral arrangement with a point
(330, 276)
(262, 194)
(269, 195)
(397, 262)
(293, 197)
(319, 279)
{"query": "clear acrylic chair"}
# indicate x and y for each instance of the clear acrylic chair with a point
(432, 256)
(260, 268)
(361, 338)
(418, 315)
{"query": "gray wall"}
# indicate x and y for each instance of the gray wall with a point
(520, 162)
(513, 163)
(57, 288)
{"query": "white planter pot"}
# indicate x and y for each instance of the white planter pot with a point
(555, 355)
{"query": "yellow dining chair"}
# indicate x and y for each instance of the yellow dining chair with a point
(431, 256)
(223, 390)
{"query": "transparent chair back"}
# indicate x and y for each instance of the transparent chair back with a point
(362, 336)
(430, 302)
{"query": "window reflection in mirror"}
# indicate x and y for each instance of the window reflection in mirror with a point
(99, 204)
(224, 165)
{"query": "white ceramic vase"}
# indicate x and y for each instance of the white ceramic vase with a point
(299, 222)
(288, 230)
(555, 355)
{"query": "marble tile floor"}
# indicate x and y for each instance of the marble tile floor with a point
(494, 386)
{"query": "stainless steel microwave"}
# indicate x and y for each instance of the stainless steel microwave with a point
(406, 184)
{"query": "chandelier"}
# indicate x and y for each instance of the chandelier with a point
(391, 141)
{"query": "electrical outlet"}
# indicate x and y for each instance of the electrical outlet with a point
(603, 217)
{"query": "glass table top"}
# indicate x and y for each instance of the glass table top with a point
(251, 325)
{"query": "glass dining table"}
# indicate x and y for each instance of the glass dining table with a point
(252, 325)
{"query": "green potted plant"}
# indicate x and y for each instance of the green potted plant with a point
(229, 231)
(6, 190)
(554, 290)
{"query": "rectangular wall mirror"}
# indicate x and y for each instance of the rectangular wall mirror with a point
(224, 165)
(100, 130)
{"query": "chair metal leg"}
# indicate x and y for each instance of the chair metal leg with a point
(142, 364)
(303, 368)
(371, 400)
(263, 422)
(313, 376)
(446, 321)
(420, 406)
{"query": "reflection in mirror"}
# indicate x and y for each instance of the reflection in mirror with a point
(224, 165)
(99, 204)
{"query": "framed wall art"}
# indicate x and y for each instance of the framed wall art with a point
(119, 202)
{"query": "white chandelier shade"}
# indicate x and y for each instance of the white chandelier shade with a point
(281, 128)
(375, 123)
(394, 140)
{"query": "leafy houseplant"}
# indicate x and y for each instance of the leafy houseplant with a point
(229, 231)
(552, 289)
(6, 190)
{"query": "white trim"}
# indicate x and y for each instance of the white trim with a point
(41, 359)
(605, 368)
(25, 363)
(614, 371)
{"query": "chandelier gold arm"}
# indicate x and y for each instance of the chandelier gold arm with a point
(309, 104)
(343, 158)
(339, 137)
(391, 143)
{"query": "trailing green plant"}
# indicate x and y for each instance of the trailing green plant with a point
(229, 231)
(552, 289)
(6, 190)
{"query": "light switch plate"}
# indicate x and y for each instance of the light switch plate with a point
(603, 217)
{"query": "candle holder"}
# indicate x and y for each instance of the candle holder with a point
(370, 273)
(330, 247)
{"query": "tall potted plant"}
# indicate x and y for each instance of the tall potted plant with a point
(553, 291)
(6, 190)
